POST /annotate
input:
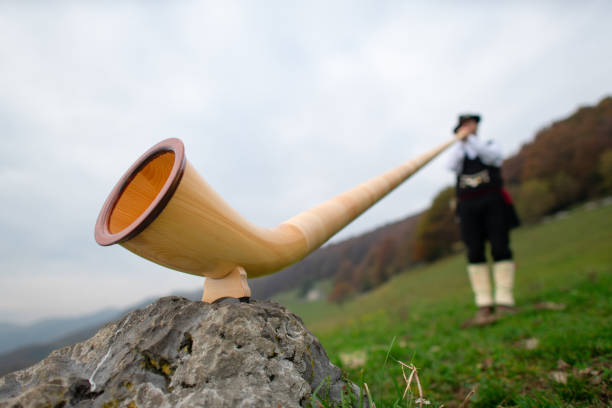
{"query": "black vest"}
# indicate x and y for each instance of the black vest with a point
(477, 177)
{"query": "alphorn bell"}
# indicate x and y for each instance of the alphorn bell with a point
(162, 210)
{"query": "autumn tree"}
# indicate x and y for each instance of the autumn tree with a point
(605, 171)
(565, 189)
(437, 230)
(340, 292)
(565, 155)
(535, 199)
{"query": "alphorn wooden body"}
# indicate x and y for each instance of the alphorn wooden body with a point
(162, 210)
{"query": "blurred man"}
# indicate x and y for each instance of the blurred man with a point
(482, 206)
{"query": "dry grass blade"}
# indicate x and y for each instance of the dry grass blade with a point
(372, 404)
(466, 400)
(408, 381)
(413, 375)
(416, 377)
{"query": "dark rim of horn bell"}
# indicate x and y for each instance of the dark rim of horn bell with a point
(102, 234)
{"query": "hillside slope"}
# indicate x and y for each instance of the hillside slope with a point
(556, 352)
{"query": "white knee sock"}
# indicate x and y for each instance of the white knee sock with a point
(481, 284)
(503, 273)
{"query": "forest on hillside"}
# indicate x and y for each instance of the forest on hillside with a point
(567, 162)
(325, 262)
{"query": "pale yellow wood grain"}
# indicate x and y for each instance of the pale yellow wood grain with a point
(321, 222)
(201, 234)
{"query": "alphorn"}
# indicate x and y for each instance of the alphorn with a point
(162, 210)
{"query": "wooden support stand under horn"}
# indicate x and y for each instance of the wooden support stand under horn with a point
(162, 210)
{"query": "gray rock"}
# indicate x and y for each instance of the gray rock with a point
(179, 353)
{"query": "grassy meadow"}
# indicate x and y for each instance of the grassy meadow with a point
(557, 352)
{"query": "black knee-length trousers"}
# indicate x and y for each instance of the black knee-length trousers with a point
(483, 218)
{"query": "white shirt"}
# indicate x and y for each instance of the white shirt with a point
(489, 153)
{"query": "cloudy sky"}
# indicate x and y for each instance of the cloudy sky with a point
(281, 105)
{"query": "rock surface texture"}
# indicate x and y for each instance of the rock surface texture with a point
(179, 353)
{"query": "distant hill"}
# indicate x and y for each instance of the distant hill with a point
(66, 331)
(572, 145)
(26, 356)
(566, 163)
(14, 335)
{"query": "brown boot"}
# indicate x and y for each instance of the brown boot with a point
(484, 316)
(505, 310)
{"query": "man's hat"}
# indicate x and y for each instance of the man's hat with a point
(464, 118)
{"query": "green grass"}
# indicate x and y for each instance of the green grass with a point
(415, 318)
